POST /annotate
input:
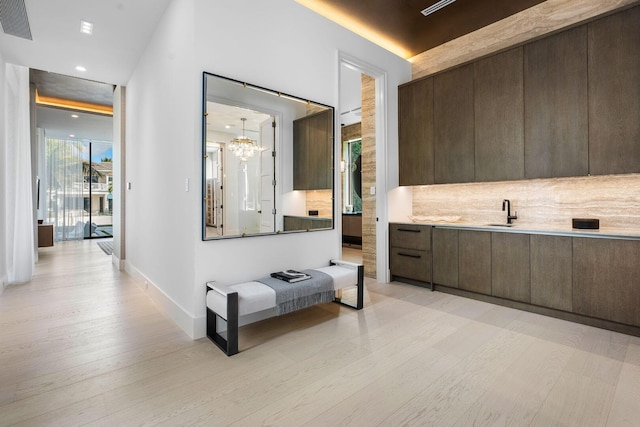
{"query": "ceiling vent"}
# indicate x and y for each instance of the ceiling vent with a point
(13, 16)
(436, 7)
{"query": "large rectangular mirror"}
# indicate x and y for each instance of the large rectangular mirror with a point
(267, 161)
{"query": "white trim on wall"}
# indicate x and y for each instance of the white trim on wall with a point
(382, 233)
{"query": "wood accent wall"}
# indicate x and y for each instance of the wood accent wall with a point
(368, 175)
(535, 22)
(541, 203)
(350, 132)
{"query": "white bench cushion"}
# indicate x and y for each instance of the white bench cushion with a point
(252, 297)
(256, 296)
(342, 276)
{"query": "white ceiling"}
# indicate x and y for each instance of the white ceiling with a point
(121, 32)
(122, 29)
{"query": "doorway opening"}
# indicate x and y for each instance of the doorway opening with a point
(73, 139)
(363, 139)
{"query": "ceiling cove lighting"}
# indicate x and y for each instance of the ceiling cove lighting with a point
(86, 27)
(356, 25)
(73, 105)
(436, 7)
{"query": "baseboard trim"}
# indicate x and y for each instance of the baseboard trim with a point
(119, 263)
(194, 327)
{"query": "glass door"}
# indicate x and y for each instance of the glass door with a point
(97, 191)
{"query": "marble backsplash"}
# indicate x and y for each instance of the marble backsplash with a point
(614, 199)
(320, 200)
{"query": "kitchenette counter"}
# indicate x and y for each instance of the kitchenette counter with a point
(552, 230)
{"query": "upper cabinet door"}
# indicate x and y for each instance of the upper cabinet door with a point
(614, 93)
(555, 99)
(454, 148)
(415, 132)
(499, 117)
(312, 149)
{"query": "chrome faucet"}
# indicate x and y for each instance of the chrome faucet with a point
(510, 217)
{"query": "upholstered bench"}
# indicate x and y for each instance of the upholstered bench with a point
(231, 302)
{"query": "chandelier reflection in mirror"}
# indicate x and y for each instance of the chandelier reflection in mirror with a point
(243, 146)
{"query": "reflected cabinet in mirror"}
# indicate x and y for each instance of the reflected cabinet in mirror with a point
(267, 161)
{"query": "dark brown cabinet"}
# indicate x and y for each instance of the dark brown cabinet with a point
(445, 257)
(555, 99)
(453, 117)
(564, 105)
(551, 271)
(294, 223)
(415, 132)
(510, 266)
(410, 252)
(499, 117)
(614, 93)
(45, 235)
(606, 275)
(352, 229)
(596, 277)
(312, 151)
(474, 261)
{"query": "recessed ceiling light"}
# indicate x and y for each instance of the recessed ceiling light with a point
(72, 136)
(227, 127)
(86, 27)
(75, 116)
(436, 7)
(81, 68)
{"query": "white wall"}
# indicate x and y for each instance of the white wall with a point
(3, 180)
(280, 45)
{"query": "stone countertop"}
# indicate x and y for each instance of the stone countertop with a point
(603, 232)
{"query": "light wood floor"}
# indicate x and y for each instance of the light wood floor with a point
(83, 344)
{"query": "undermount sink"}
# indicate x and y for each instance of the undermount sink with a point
(500, 225)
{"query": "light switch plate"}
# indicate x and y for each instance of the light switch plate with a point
(372, 191)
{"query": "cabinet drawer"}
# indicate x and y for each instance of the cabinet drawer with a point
(411, 264)
(410, 236)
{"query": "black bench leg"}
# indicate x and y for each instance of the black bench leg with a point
(229, 345)
(360, 294)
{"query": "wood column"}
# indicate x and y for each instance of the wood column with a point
(368, 175)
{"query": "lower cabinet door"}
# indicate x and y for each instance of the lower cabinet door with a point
(411, 264)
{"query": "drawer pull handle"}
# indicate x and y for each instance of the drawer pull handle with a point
(409, 230)
(409, 255)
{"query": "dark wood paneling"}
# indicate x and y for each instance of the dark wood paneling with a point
(614, 93)
(510, 266)
(410, 236)
(445, 257)
(551, 271)
(415, 132)
(556, 127)
(606, 279)
(454, 149)
(499, 117)
(474, 261)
